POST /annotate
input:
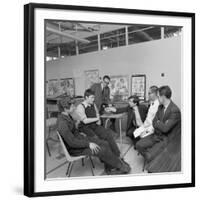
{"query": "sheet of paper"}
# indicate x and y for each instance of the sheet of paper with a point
(139, 131)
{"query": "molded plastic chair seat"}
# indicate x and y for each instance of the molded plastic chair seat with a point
(72, 159)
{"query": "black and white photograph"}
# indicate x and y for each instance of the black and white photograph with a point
(150, 130)
(113, 106)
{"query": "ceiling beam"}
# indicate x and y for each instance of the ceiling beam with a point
(64, 34)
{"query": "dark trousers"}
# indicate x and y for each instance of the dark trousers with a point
(129, 133)
(92, 130)
(151, 146)
(105, 154)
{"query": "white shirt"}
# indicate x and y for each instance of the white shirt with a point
(151, 113)
(147, 127)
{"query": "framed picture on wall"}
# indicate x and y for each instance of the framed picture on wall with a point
(53, 88)
(138, 86)
(119, 88)
(59, 40)
(91, 77)
(67, 86)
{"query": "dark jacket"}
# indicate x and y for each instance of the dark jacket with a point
(101, 97)
(168, 127)
(131, 115)
(70, 135)
(168, 123)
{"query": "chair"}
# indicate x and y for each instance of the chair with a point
(72, 159)
(50, 125)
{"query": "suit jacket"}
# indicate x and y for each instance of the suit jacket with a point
(100, 98)
(131, 115)
(72, 139)
(168, 123)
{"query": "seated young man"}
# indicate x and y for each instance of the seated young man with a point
(90, 121)
(147, 127)
(166, 124)
(78, 144)
(136, 115)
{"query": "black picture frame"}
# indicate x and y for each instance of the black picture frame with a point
(135, 76)
(29, 94)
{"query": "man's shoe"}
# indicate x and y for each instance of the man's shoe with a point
(123, 161)
(125, 168)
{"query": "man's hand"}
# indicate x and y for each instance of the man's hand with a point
(94, 147)
(110, 109)
(98, 122)
(83, 134)
(77, 124)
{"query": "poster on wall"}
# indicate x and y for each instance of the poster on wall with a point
(53, 88)
(119, 88)
(91, 77)
(67, 86)
(138, 86)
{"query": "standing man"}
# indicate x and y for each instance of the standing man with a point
(102, 96)
(166, 124)
(101, 92)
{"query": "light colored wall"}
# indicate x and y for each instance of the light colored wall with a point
(150, 58)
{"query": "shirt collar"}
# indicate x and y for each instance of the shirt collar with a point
(166, 106)
(153, 102)
(101, 85)
(86, 104)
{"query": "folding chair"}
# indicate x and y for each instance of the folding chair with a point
(72, 159)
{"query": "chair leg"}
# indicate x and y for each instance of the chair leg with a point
(144, 165)
(83, 164)
(91, 162)
(48, 149)
(68, 168)
(91, 167)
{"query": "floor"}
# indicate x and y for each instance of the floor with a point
(56, 164)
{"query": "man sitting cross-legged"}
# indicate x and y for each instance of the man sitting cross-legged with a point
(78, 144)
(166, 124)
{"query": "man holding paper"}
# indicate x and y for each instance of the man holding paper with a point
(146, 128)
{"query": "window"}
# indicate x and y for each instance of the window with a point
(89, 47)
(113, 39)
(143, 33)
(171, 31)
(68, 49)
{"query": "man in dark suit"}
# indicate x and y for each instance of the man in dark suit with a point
(166, 123)
(102, 96)
(136, 115)
(101, 92)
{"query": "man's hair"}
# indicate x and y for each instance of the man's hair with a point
(154, 89)
(106, 77)
(88, 93)
(135, 99)
(165, 91)
(65, 103)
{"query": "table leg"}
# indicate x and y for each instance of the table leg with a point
(106, 122)
(120, 132)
